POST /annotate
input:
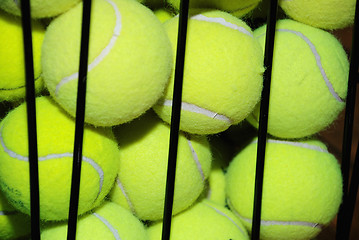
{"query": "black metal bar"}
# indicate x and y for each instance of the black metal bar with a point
(263, 119)
(31, 120)
(342, 219)
(80, 118)
(175, 119)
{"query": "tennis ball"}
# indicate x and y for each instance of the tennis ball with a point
(302, 188)
(13, 224)
(12, 71)
(327, 14)
(309, 80)
(163, 14)
(39, 8)
(204, 220)
(129, 61)
(222, 74)
(109, 221)
(234, 7)
(55, 134)
(141, 182)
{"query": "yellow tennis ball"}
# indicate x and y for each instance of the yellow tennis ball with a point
(204, 220)
(39, 8)
(302, 188)
(129, 61)
(234, 7)
(328, 14)
(141, 182)
(309, 80)
(13, 224)
(109, 221)
(55, 135)
(12, 71)
(222, 74)
(163, 14)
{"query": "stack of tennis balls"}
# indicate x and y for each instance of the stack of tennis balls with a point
(302, 188)
(129, 61)
(12, 71)
(55, 138)
(222, 74)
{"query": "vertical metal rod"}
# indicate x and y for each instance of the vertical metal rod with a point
(31, 120)
(263, 119)
(175, 119)
(80, 118)
(348, 127)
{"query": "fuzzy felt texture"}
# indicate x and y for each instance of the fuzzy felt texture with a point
(144, 145)
(326, 14)
(55, 135)
(204, 220)
(302, 188)
(222, 73)
(12, 71)
(39, 8)
(129, 61)
(108, 222)
(301, 103)
(13, 224)
(238, 8)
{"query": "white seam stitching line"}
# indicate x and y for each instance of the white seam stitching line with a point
(5, 213)
(223, 22)
(195, 157)
(281, 223)
(229, 218)
(110, 227)
(193, 108)
(54, 156)
(296, 144)
(120, 185)
(104, 52)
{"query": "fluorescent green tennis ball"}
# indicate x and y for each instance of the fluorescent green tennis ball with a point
(309, 80)
(326, 14)
(12, 71)
(302, 188)
(109, 221)
(237, 8)
(222, 74)
(140, 185)
(204, 220)
(39, 8)
(13, 224)
(129, 61)
(55, 134)
(163, 14)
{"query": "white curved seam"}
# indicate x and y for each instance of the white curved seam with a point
(120, 185)
(5, 213)
(281, 223)
(229, 218)
(195, 109)
(55, 156)
(110, 227)
(223, 22)
(296, 144)
(104, 52)
(195, 158)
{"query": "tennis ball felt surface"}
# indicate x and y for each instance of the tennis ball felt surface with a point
(140, 185)
(204, 220)
(234, 7)
(326, 14)
(55, 134)
(129, 61)
(13, 224)
(302, 188)
(222, 74)
(309, 80)
(108, 222)
(39, 8)
(12, 71)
